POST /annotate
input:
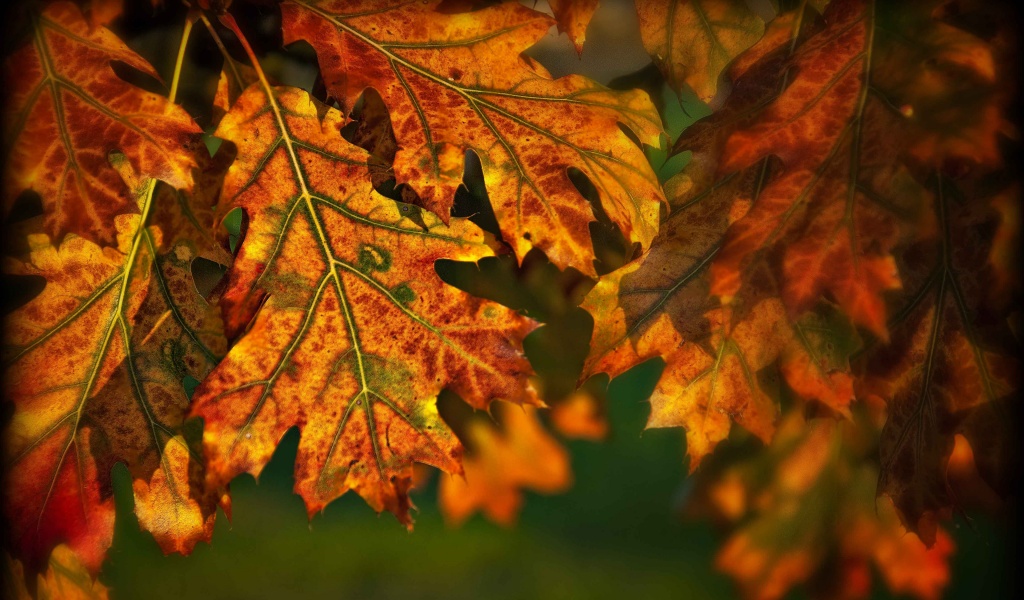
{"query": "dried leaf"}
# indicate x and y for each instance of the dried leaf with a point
(660, 306)
(95, 369)
(950, 368)
(831, 218)
(67, 111)
(66, 578)
(518, 455)
(804, 512)
(573, 16)
(457, 82)
(693, 41)
(346, 330)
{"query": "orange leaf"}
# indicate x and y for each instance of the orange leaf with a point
(455, 83)
(573, 16)
(103, 12)
(66, 578)
(95, 370)
(832, 215)
(660, 306)
(580, 416)
(693, 41)
(502, 462)
(346, 330)
(67, 111)
(808, 498)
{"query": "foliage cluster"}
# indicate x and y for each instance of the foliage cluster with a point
(832, 270)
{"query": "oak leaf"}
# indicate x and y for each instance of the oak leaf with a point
(346, 331)
(581, 416)
(804, 512)
(573, 16)
(847, 193)
(856, 132)
(504, 460)
(67, 110)
(103, 12)
(693, 41)
(457, 82)
(950, 367)
(660, 306)
(66, 578)
(95, 369)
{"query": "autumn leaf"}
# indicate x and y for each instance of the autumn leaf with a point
(67, 110)
(803, 512)
(503, 460)
(693, 41)
(950, 368)
(581, 416)
(234, 78)
(344, 329)
(764, 217)
(66, 578)
(1004, 255)
(660, 306)
(373, 133)
(103, 12)
(572, 17)
(95, 369)
(457, 82)
(848, 194)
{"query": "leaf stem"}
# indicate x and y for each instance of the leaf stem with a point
(228, 60)
(176, 78)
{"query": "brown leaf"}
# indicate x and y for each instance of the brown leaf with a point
(804, 512)
(457, 82)
(849, 127)
(950, 367)
(95, 369)
(660, 306)
(693, 41)
(67, 111)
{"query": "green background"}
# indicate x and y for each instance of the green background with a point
(616, 534)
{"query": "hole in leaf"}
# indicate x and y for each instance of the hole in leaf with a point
(557, 350)
(138, 78)
(206, 274)
(457, 415)
(190, 384)
(234, 223)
